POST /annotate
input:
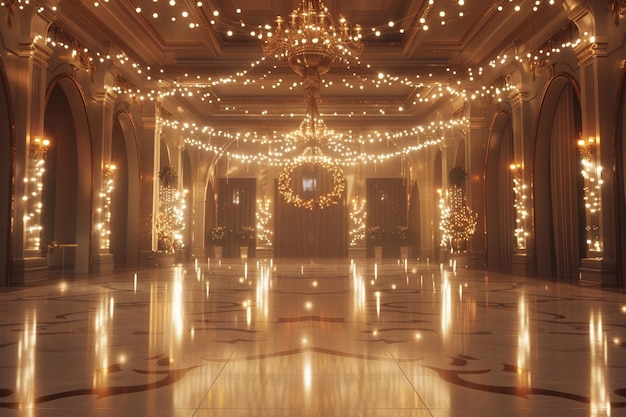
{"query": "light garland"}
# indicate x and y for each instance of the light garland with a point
(104, 226)
(285, 179)
(260, 33)
(263, 217)
(347, 149)
(592, 192)
(34, 192)
(521, 214)
(358, 218)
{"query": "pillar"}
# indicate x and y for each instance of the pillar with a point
(27, 75)
(598, 265)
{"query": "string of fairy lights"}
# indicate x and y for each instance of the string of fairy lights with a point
(33, 198)
(358, 217)
(191, 85)
(592, 178)
(104, 210)
(264, 231)
(521, 213)
(345, 149)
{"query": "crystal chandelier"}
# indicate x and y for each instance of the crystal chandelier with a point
(312, 40)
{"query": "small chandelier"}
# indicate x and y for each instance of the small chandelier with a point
(312, 40)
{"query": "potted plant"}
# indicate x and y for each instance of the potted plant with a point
(375, 235)
(404, 237)
(246, 235)
(218, 237)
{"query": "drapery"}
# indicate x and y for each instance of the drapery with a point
(566, 186)
(387, 208)
(304, 233)
(506, 211)
(236, 207)
(413, 221)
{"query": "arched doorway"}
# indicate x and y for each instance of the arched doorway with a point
(499, 198)
(67, 182)
(125, 224)
(557, 185)
(7, 145)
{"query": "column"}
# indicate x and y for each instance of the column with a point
(475, 153)
(523, 261)
(197, 225)
(149, 136)
(27, 76)
(102, 118)
(598, 264)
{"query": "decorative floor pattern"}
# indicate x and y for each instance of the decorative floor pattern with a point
(331, 338)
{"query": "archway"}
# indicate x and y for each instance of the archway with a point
(125, 223)
(499, 198)
(7, 144)
(67, 183)
(557, 183)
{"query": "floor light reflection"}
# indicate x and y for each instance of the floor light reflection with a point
(26, 362)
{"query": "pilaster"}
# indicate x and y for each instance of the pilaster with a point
(598, 265)
(522, 261)
(198, 220)
(29, 82)
(475, 152)
(149, 135)
(102, 119)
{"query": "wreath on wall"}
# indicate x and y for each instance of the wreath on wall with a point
(339, 184)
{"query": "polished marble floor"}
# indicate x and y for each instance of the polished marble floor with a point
(302, 338)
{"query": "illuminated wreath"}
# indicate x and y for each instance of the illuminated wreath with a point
(339, 185)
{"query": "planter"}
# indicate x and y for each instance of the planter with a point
(165, 260)
(404, 252)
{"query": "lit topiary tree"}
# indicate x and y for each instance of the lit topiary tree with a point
(458, 221)
(170, 222)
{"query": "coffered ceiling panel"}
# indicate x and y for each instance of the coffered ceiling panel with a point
(211, 53)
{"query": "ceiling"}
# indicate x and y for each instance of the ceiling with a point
(187, 49)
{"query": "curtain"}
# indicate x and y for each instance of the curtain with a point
(506, 200)
(236, 207)
(414, 218)
(387, 208)
(304, 233)
(566, 186)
